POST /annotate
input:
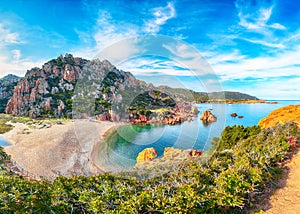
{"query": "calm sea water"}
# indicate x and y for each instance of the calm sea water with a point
(2, 141)
(122, 147)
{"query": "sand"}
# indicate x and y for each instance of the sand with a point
(63, 149)
(287, 199)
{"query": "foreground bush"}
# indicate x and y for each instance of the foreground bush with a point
(244, 161)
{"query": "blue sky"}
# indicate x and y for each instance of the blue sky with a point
(251, 46)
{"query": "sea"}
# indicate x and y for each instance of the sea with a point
(122, 147)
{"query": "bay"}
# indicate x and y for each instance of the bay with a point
(122, 146)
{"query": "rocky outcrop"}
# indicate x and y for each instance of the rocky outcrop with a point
(207, 116)
(7, 85)
(194, 110)
(173, 120)
(170, 156)
(46, 91)
(281, 116)
(171, 152)
(50, 91)
(74, 87)
(233, 115)
(103, 117)
(147, 155)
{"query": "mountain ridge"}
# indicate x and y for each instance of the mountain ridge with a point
(49, 91)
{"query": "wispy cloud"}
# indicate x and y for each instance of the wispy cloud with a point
(161, 16)
(7, 37)
(265, 43)
(281, 64)
(12, 62)
(256, 18)
(108, 33)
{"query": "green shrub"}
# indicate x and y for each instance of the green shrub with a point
(245, 160)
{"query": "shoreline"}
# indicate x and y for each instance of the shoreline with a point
(59, 150)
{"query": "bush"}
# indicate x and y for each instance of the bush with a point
(245, 160)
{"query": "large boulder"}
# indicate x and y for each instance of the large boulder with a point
(147, 155)
(233, 115)
(194, 110)
(207, 116)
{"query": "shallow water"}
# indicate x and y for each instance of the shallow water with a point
(3, 142)
(122, 147)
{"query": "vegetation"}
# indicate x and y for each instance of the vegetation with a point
(5, 119)
(3, 126)
(231, 95)
(246, 159)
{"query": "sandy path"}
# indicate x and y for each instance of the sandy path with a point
(63, 149)
(287, 199)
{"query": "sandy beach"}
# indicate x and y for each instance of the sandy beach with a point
(63, 149)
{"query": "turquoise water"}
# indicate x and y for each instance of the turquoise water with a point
(2, 141)
(122, 147)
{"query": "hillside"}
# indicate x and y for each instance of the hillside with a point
(7, 85)
(199, 97)
(102, 90)
(281, 116)
(186, 94)
(232, 180)
(231, 95)
(69, 87)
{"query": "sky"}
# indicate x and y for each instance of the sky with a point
(247, 46)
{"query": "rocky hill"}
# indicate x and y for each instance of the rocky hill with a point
(231, 95)
(7, 85)
(70, 86)
(185, 94)
(281, 116)
(74, 87)
(199, 97)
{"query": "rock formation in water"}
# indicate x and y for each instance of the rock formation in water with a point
(171, 155)
(147, 155)
(207, 116)
(233, 115)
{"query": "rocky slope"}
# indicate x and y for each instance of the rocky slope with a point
(74, 87)
(281, 116)
(7, 85)
(70, 86)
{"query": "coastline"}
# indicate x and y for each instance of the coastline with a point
(58, 150)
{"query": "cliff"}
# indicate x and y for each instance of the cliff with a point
(70, 86)
(281, 116)
(7, 85)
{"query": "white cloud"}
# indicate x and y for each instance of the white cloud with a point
(264, 43)
(161, 16)
(7, 37)
(257, 18)
(107, 33)
(11, 61)
(282, 64)
(277, 26)
(19, 68)
(275, 89)
(149, 66)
